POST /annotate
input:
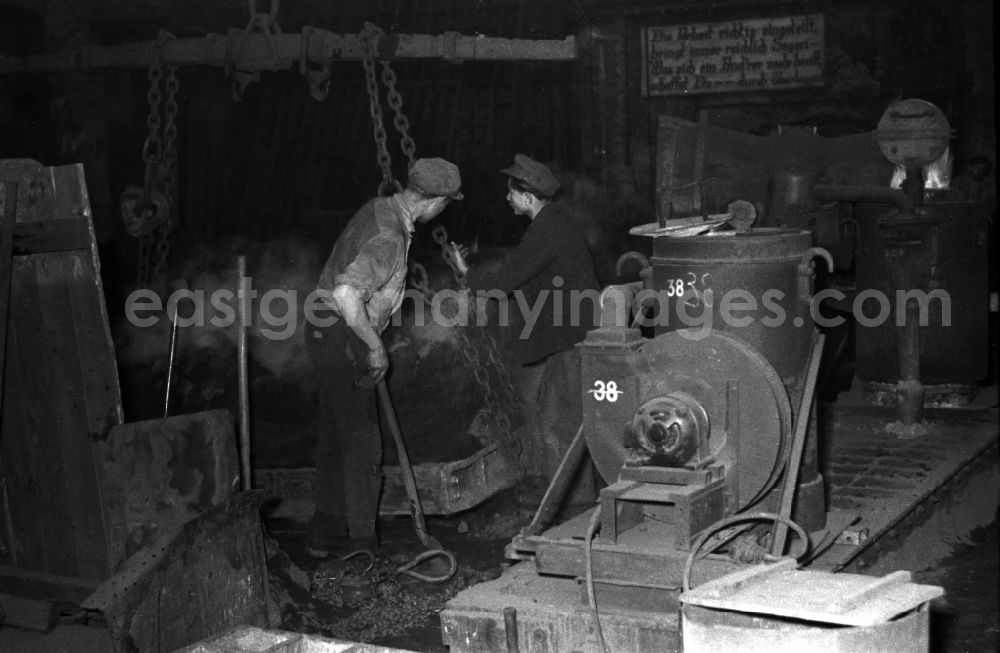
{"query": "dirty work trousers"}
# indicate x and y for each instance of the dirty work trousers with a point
(349, 447)
(551, 402)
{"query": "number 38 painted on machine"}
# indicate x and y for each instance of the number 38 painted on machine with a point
(605, 391)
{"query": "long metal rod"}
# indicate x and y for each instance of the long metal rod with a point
(242, 323)
(255, 51)
(170, 366)
(556, 492)
(798, 446)
(179, 284)
(405, 470)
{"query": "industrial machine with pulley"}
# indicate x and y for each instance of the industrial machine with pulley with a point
(692, 425)
(699, 385)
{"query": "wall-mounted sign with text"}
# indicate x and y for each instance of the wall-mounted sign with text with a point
(760, 54)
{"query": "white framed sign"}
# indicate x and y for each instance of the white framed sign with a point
(759, 54)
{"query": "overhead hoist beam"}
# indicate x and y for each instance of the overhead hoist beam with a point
(257, 51)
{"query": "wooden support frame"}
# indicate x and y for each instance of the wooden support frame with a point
(60, 388)
(255, 51)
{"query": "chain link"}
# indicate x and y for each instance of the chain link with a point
(400, 120)
(158, 281)
(168, 180)
(368, 35)
(488, 370)
(152, 147)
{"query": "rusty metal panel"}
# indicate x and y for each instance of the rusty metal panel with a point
(61, 384)
(209, 576)
(163, 472)
(445, 488)
(449, 488)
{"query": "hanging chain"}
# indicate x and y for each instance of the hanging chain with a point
(400, 120)
(368, 36)
(138, 206)
(168, 177)
(481, 364)
(152, 147)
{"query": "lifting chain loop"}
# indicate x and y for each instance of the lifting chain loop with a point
(369, 36)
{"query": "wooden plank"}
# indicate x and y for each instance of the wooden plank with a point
(94, 342)
(15, 464)
(51, 236)
(27, 613)
(7, 217)
(61, 294)
(6, 261)
(49, 411)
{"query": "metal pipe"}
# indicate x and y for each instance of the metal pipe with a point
(558, 487)
(867, 194)
(243, 299)
(780, 532)
(910, 390)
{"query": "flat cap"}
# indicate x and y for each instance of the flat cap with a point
(436, 177)
(534, 174)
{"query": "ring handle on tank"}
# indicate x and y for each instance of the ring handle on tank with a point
(806, 271)
(645, 269)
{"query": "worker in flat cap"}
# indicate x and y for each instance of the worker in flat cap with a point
(549, 269)
(363, 283)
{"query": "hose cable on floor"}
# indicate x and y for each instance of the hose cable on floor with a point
(803, 539)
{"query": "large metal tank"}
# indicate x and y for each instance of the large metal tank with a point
(756, 285)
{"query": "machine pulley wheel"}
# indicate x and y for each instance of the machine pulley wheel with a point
(746, 402)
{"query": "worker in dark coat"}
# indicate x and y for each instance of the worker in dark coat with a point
(550, 275)
(363, 282)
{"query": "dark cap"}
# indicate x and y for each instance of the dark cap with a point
(534, 174)
(436, 177)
